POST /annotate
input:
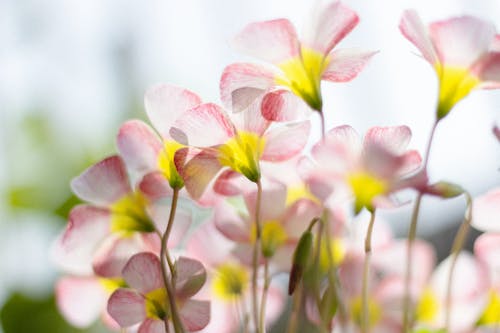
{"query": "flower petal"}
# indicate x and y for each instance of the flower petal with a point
(165, 103)
(203, 126)
(139, 146)
(274, 41)
(486, 210)
(488, 69)
(283, 105)
(242, 83)
(460, 41)
(286, 141)
(155, 186)
(393, 138)
(143, 272)
(231, 223)
(298, 216)
(346, 64)
(80, 300)
(152, 326)
(191, 276)
(487, 250)
(251, 120)
(272, 203)
(195, 315)
(330, 26)
(231, 183)
(127, 307)
(414, 30)
(103, 183)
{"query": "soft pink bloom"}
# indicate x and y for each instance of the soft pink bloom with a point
(463, 51)
(299, 65)
(145, 300)
(486, 211)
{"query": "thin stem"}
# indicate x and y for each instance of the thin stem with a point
(366, 273)
(178, 327)
(323, 127)
(255, 259)
(412, 233)
(246, 318)
(457, 246)
(294, 317)
(267, 282)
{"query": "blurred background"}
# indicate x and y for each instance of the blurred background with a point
(72, 71)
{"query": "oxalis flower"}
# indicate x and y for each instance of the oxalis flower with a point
(146, 299)
(464, 51)
(299, 65)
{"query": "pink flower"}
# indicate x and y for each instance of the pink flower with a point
(145, 300)
(299, 65)
(486, 211)
(464, 52)
(369, 171)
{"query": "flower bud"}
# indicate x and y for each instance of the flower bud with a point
(300, 259)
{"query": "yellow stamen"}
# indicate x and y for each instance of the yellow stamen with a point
(428, 307)
(230, 281)
(273, 236)
(110, 285)
(365, 188)
(167, 166)
(491, 314)
(297, 192)
(337, 250)
(374, 311)
(129, 214)
(157, 304)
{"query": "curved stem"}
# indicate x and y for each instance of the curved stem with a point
(366, 272)
(178, 327)
(457, 246)
(267, 282)
(412, 233)
(255, 258)
(294, 317)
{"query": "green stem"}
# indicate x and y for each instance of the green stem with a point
(294, 317)
(267, 282)
(255, 259)
(366, 272)
(178, 327)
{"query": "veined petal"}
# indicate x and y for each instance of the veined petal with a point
(139, 146)
(154, 186)
(143, 273)
(344, 65)
(330, 26)
(203, 126)
(286, 141)
(165, 103)
(191, 276)
(272, 204)
(283, 105)
(127, 307)
(160, 211)
(152, 326)
(242, 83)
(273, 41)
(486, 211)
(230, 183)
(103, 183)
(195, 314)
(80, 299)
(252, 119)
(297, 217)
(231, 223)
(414, 30)
(488, 70)
(460, 41)
(394, 138)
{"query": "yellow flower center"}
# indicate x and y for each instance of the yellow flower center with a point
(273, 236)
(167, 166)
(110, 285)
(157, 304)
(303, 76)
(242, 154)
(428, 307)
(297, 192)
(454, 84)
(374, 311)
(365, 188)
(491, 314)
(337, 253)
(129, 214)
(230, 281)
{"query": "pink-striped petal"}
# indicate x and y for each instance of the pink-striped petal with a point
(272, 203)
(127, 307)
(230, 222)
(346, 64)
(165, 103)
(330, 26)
(252, 120)
(80, 300)
(242, 83)
(286, 141)
(298, 216)
(283, 105)
(191, 276)
(203, 126)
(394, 138)
(273, 41)
(343, 136)
(195, 314)
(488, 70)
(155, 186)
(460, 41)
(153, 326)
(414, 30)
(231, 183)
(486, 211)
(103, 183)
(139, 146)
(143, 272)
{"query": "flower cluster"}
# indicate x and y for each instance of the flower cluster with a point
(132, 255)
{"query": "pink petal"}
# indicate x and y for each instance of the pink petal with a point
(330, 26)
(155, 186)
(381, 235)
(285, 141)
(460, 41)
(127, 307)
(165, 103)
(486, 211)
(251, 120)
(191, 276)
(298, 216)
(231, 183)
(394, 138)
(143, 272)
(153, 326)
(195, 315)
(412, 161)
(230, 222)
(488, 70)
(346, 64)
(139, 146)
(414, 30)
(274, 41)
(283, 105)
(160, 212)
(80, 300)
(272, 203)
(203, 126)
(487, 250)
(344, 136)
(242, 83)
(103, 183)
